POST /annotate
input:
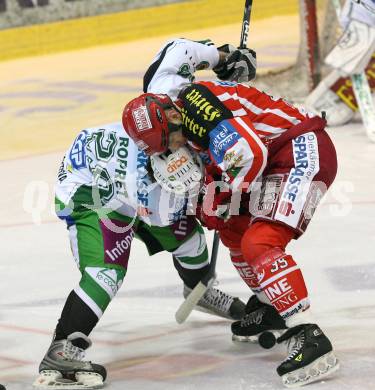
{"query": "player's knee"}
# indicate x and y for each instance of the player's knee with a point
(263, 236)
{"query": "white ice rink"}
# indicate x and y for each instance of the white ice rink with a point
(139, 341)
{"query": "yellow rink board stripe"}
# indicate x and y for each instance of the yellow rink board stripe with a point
(133, 24)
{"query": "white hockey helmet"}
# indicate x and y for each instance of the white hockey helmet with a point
(180, 172)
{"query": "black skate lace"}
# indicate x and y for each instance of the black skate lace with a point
(254, 317)
(71, 352)
(217, 298)
(294, 345)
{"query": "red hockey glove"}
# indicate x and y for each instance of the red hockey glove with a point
(210, 211)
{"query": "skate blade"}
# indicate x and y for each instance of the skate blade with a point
(51, 379)
(315, 371)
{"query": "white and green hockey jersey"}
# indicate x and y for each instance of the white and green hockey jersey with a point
(104, 168)
(176, 63)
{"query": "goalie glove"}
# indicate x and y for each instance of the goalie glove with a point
(239, 66)
(180, 172)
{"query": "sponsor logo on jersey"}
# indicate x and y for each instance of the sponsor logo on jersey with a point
(305, 153)
(277, 289)
(222, 138)
(122, 163)
(62, 174)
(229, 156)
(285, 208)
(247, 274)
(77, 153)
(295, 310)
(181, 227)
(142, 180)
(203, 107)
(191, 125)
(281, 295)
(121, 248)
(106, 278)
(176, 164)
(141, 118)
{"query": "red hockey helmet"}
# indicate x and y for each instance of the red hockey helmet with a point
(145, 122)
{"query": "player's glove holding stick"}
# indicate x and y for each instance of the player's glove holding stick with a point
(212, 208)
(239, 64)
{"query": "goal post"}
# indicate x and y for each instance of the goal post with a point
(309, 32)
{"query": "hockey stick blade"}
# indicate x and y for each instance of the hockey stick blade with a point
(191, 301)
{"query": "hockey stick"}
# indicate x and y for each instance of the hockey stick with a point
(244, 31)
(246, 23)
(362, 93)
(200, 289)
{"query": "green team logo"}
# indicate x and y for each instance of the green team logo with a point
(105, 145)
(185, 72)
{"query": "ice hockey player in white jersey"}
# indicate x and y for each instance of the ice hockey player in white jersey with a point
(350, 56)
(106, 194)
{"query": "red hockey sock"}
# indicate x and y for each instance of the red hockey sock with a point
(244, 270)
(278, 276)
(281, 280)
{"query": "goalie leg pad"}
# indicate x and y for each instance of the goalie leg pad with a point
(324, 98)
(354, 49)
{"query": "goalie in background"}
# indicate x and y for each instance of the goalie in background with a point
(353, 54)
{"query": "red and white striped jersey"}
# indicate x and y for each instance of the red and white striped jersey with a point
(270, 116)
(235, 123)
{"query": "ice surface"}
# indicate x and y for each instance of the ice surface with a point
(138, 339)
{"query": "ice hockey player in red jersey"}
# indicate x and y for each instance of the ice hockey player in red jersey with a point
(277, 155)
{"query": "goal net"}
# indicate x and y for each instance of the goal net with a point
(319, 31)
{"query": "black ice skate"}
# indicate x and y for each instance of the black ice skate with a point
(261, 322)
(217, 302)
(63, 366)
(310, 356)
